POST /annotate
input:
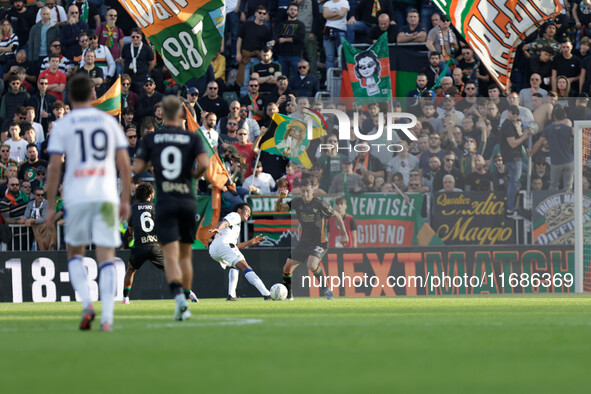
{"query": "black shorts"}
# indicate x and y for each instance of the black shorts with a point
(139, 255)
(301, 251)
(176, 222)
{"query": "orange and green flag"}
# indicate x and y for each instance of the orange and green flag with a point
(369, 70)
(494, 28)
(187, 34)
(110, 102)
(209, 208)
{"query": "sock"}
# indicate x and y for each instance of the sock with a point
(232, 282)
(177, 291)
(320, 277)
(256, 282)
(126, 291)
(287, 283)
(79, 280)
(187, 293)
(108, 290)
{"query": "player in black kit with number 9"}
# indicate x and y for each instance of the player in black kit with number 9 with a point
(172, 152)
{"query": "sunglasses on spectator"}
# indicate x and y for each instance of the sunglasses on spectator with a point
(242, 134)
(232, 124)
(39, 195)
(24, 186)
(14, 184)
(194, 94)
(56, 45)
(113, 15)
(126, 83)
(261, 13)
(212, 88)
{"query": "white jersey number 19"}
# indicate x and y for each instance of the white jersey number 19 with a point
(98, 144)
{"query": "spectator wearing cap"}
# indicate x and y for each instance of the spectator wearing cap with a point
(282, 94)
(138, 60)
(558, 136)
(192, 95)
(27, 170)
(547, 39)
(413, 31)
(541, 63)
(384, 25)
(14, 97)
(39, 44)
(304, 84)
(40, 179)
(442, 39)
(129, 99)
(354, 181)
(22, 19)
(147, 100)
(103, 57)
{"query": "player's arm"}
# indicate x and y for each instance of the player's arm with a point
(536, 146)
(341, 225)
(253, 241)
(139, 166)
(202, 164)
(122, 163)
(221, 225)
(279, 205)
(54, 170)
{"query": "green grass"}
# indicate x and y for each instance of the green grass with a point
(421, 344)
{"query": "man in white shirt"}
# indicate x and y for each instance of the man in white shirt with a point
(225, 249)
(259, 182)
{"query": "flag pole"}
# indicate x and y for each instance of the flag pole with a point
(256, 163)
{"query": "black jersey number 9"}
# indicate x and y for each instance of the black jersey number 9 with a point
(171, 160)
(98, 144)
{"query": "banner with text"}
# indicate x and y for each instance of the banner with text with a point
(186, 34)
(474, 218)
(553, 217)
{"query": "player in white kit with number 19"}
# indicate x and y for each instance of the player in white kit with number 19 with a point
(95, 148)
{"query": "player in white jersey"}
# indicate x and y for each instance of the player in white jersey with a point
(95, 148)
(225, 249)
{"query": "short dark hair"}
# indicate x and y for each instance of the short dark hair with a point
(306, 182)
(32, 145)
(241, 206)
(293, 4)
(558, 113)
(80, 88)
(143, 191)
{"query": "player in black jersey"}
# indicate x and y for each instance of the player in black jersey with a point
(172, 152)
(312, 214)
(145, 241)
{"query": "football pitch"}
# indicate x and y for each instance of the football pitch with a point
(381, 345)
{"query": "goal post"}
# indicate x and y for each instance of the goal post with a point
(582, 150)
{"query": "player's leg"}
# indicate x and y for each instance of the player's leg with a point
(253, 278)
(288, 268)
(79, 281)
(107, 285)
(313, 265)
(186, 265)
(174, 277)
(232, 284)
(127, 283)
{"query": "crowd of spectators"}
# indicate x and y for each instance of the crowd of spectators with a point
(274, 58)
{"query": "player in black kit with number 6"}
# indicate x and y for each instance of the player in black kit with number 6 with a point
(172, 152)
(312, 214)
(145, 241)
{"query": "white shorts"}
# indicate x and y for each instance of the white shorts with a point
(224, 254)
(93, 222)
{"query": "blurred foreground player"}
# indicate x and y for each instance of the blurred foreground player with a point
(145, 241)
(172, 152)
(95, 148)
(225, 249)
(312, 214)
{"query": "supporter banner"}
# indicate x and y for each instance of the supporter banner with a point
(187, 34)
(494, 28)
(385, 220)
(435, 271)
(369, 69)
(474, 218)
(405, 64)
(110, 102)
(553, 217)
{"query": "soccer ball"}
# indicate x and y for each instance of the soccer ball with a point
(278, 292)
